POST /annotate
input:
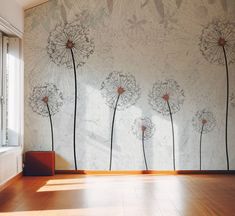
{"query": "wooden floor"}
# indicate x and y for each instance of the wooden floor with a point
(136, 195)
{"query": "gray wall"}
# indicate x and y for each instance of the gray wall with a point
(153, 41)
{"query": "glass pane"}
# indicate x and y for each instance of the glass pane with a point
(1, 71)
(13, 92)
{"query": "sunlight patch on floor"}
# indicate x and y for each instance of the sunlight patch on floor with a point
(61, 187)
(104, 183)
(114, 211)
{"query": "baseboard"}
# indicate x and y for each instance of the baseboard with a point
(11, 181)
(149, 172)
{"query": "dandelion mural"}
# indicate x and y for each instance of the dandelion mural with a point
(203, 122)
(120, 91)
(143, 128)
(167, 98)
(71, 46)
(217, 45)
(46, 100)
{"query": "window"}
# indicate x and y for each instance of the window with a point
(10, 94)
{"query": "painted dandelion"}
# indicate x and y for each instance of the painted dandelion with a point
(217, 45)
(143, 128)
(120, 91)
(71, 46)
(46, 100)
(167, 98)
(203, 122)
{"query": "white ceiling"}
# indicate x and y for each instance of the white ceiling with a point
(26, 4)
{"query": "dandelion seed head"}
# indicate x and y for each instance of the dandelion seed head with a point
(69, 37)
(143, 128)
(120, 90)
(203, 121)
(166, 91)
(217, 37)
(165, 97)
(46, 95)
(70, 44)
(222, 42)
(122, 86)
(45, 99)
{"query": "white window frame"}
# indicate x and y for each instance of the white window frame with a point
(3, 90)
(11, 69)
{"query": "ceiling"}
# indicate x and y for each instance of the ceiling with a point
(26, 4)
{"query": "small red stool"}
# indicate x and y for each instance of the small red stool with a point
(39, 163)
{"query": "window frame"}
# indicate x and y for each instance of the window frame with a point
(3, 90)
(10, 137)
(10, 31)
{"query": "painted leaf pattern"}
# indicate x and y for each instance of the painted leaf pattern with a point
(110, 6)
(211, 1)
(224, 5)
(63, 13)
(68, 4)
(160, 7)
(178, 3)
(144, 3)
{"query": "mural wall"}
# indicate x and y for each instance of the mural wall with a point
(131, 84)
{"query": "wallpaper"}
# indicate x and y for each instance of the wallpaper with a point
(131, 84)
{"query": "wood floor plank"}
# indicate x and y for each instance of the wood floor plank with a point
(120, 195)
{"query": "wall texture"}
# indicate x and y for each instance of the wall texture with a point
(160, 63)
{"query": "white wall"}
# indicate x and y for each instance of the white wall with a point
(13, 13)
(10, 163)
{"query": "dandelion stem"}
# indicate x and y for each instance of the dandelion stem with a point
(75, 110)
(52, 135)
(112, 129)
(173, 135)
(200, 147)
(145, 161)
(226, 114)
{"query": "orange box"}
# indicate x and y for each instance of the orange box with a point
(39, 163)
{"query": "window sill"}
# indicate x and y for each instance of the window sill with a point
(9, 148)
